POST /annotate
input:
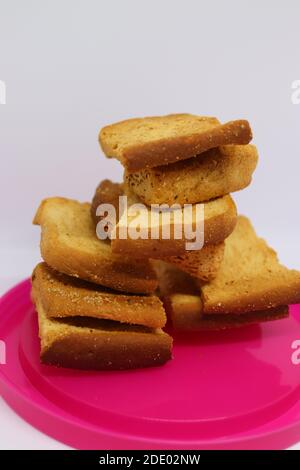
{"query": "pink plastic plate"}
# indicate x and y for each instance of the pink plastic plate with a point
(235, 389)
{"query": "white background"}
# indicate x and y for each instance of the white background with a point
(71, 67)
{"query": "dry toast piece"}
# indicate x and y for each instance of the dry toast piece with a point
(93, 344)
(106, 192)
(184, 306)
(64, 296)
(250, 276)
(70, 245)
(203, 264)
(212, 174)
(220, 217)
(153, 141)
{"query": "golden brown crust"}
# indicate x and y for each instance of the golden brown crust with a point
(217, 227)
(149, 142)
(212, 174)
(174, 282)
(190, 320)
(203, 264)
(220, 225)
(250, 276)
(81, 343)
(69, 244)
(64, 296)
(184, 305)
(220, 216)
(106, 193)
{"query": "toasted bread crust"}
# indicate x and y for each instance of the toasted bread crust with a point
(81, 343)
(250, 276)
(69, 244)
(149, 142)
(106, 193)
(215, 232)
(203, 264)
(212, 174)
(188, 318)
(63, 296)
(184, 305)
(220, 216)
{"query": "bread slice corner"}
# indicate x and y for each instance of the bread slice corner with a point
(93, 344)
(185, 307)
(250, 276)
(69, 244)
(63, 296)
(153, 141)
(211, 174)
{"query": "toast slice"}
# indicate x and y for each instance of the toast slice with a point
(184, 306)
(63, 296)
(69, 244)
(93, 344)
(212, 174)
(250, 276)
(203, 264)
(153, 141)
(220, 217)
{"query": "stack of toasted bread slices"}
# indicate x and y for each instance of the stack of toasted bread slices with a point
(251, 286)
(112, 273)
(87, 327)
(97, 310)
(177, 161)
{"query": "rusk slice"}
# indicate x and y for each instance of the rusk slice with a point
(212, 174)
(219, 220)
(220, 217)
(63, 296)
(88, 343)
(184, 306)
(70, 245)
(250, 276)
(203, 264)
(154, 141)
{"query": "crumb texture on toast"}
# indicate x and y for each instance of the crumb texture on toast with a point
(69, 244)
(153, 141)
(203, 264)
(250, 276)
(184, 305)
(220, 216)
(250, 279)
(212, 174)
(94, 344)
(63, 296)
